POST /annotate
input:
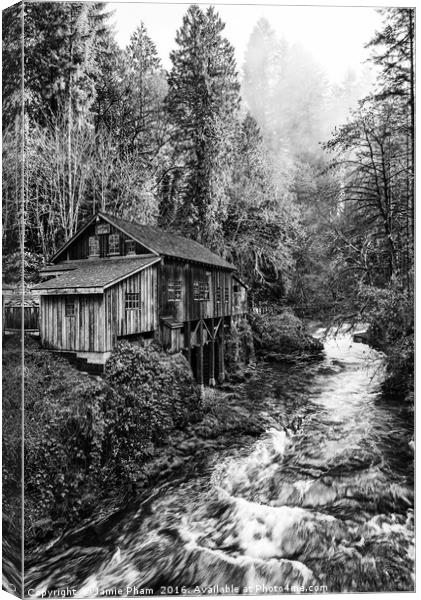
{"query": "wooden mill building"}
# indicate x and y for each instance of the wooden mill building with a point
(118, 279)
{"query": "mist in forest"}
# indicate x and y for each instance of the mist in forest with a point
(290, 95)
(301, 68)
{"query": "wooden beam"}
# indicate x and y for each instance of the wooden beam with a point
(210, 331)
(187, 339)
(200, 357)
(217, 327)
(73, 290)
(221, 354)
(212, 381)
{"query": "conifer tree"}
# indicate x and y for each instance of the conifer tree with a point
(203, 100)
(261, 222)
(145, 81)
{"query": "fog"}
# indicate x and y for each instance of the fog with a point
(302, 68)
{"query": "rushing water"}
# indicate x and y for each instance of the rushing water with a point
(321, 502)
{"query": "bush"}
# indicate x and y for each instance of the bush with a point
(65, 430)
(153, 393)
(87, 436)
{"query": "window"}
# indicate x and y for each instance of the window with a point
(226, 294)
(93, 245)
(237, 295)
(69, 308)
(218, 293)
(204, 290)
(201, 290)
(132, 301)
(113, 243)
(174, 290)
(130, 247)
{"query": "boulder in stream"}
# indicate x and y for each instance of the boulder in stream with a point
(283, 335)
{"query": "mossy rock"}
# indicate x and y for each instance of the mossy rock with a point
(283, 334)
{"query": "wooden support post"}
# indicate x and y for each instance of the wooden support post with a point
(200, 357)
(221, 352)
(187, 339)
(212, 381)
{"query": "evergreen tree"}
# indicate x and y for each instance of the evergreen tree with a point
(264, 66)
(285, 90)
(203, 100)
(13, 34)
(144, 106)
(394, 52)
(261, 223)
(61, 40)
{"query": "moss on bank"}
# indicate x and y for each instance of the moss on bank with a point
(91, 439)
(283, 336)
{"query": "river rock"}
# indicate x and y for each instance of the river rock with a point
(283, 335)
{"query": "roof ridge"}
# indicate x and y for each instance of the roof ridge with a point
(160, 229)
(169, 243)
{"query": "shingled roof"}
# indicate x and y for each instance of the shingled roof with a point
(88, 274)
(168, 244)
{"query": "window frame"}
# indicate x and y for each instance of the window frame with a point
(69, 302)
(132, 301)
(126, 246)
(174, 290)
(201, 291)
(96, 239)
(205, 291)
(116, 244)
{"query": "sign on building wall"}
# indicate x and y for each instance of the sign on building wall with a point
(102, 228)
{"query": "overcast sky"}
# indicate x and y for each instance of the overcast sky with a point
(334, 35)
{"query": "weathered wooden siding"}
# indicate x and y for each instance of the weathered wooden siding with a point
(82, 332)
(187, 308)
(79, 249)
(121, 322)
(13, 318)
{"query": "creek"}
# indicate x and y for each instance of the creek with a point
(322, 501)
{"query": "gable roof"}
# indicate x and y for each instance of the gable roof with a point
(96, 274)
(160, 242)
(168, 244)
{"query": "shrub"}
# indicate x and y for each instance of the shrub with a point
(64, 435)
(153, 393)
(86, 436)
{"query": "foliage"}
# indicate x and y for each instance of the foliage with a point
(65, 429)
(261, 224)
(153, 394)
(375, 198)
(390, 313)
(314, 286)
(12, 267)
